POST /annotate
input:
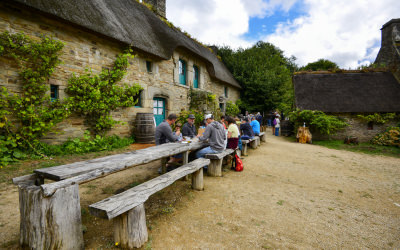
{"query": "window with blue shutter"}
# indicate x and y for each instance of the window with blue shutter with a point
(53, 92)
(195, 77)
(182, 72)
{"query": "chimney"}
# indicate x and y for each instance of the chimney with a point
(390, 44)
(159, 7)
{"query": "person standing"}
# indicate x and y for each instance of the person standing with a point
(189, 129)
(164, 131)
(215, 134)
(277, 123)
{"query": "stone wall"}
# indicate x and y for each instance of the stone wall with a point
(357, 127)
(84, 49)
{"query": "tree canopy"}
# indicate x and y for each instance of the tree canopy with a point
(321, 64)
(265, 75)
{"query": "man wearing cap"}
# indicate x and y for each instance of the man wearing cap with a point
(189, 129)
(215, 134)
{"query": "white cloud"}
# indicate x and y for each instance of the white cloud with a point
(346, 32)
(220, 21)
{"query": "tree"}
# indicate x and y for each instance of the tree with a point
(264, 73)
(321, 64)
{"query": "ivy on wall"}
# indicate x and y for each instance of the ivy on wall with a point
(378, 117)
(29, 115)
(203, 101)
(95, 96)
(33, 112)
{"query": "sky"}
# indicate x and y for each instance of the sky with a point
(346, 32)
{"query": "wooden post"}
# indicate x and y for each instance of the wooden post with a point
(130, 228)
(164, 165)
(244, 149)
(185, 160)
(215, 167)
(197, 180)
(50, 222)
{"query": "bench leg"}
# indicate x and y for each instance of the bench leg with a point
(197, 180)
(130, 228)
(164, 165)
(263, 138)
(185, 160)
(253, 144)
(258, 141)
(50, 222)
(244, 149)
(215, 168)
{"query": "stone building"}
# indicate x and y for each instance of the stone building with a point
(389, 54)
(347, 95)
(350, 93)
(167, 64)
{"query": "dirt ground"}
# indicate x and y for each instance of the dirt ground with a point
(290, 195)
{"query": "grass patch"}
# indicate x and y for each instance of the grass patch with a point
(280, 203)
(364, 147)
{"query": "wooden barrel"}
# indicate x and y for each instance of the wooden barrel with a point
(286, 128)
(145, 128)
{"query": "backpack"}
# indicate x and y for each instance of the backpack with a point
(237, 163)
(274, 122)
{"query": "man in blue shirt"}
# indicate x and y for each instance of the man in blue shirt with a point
(255, 125)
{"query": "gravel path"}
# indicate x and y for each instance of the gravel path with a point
(291, 195)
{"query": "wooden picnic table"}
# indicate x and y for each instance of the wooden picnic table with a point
(51, 214)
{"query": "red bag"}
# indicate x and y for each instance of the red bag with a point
(237, 163)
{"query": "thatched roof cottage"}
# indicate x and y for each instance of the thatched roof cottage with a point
(167, 65)
(351, 93)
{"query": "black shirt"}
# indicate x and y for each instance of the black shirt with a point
(188, 130)
(246, 129)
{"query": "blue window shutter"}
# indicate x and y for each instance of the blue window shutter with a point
(196, 77)
(182, 72)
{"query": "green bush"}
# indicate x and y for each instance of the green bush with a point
(317, 121)
(391, 137)
(231, 109)
(86, 144)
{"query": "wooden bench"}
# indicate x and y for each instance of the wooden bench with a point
(252, 142)
(50, 214)
(127, 208)
(215, 168)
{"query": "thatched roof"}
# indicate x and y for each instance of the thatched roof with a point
(347, 92)
(132, 23)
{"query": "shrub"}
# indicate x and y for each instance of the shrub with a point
(391, 137)
(317, 121)
(231, 109)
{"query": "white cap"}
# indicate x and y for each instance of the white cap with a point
(209, 116)
(278, 115)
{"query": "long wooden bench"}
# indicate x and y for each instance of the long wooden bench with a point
(50, 214)
(215, 168)
(127, 208)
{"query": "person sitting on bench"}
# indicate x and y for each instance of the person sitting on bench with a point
(215, 134)
(255, 125)
(247, 131)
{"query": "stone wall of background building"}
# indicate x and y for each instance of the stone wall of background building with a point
(357, 128)
(86, 50)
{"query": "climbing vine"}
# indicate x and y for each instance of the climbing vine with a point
(95, 96)
(33, 112)
(202, 101)
(378, 117)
